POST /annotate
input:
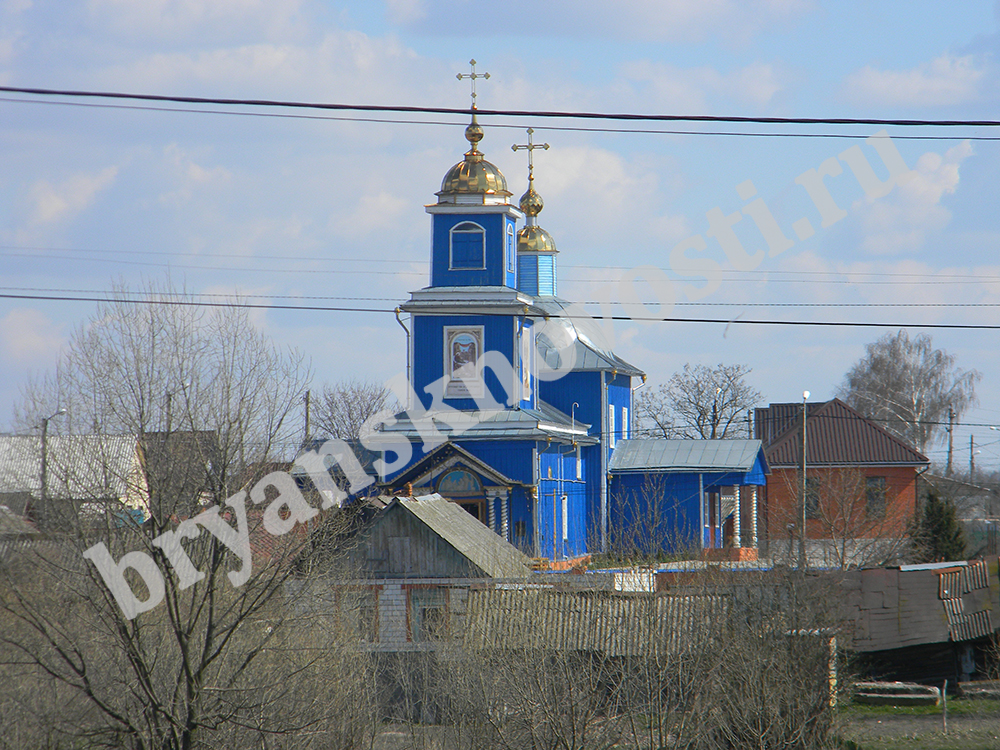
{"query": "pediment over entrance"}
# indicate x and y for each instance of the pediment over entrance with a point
(457, 468)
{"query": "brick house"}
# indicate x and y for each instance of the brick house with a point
(861, 489)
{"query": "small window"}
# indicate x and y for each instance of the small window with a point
(625, 424)
(812, 498)
(579, 464)
(428, 614)
(565, 518)
(468, 246)
(611, 425)
(510, 247)
(360, 611)
(875, 497)
(520, 530)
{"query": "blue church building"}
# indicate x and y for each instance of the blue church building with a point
(515, 405)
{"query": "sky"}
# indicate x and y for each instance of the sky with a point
(325, 208)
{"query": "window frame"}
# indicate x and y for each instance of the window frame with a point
(876, 496)
(466, 227)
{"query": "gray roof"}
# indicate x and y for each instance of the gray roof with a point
(492, 554)
(684, 455)
(79, 467)
(532, 617)
(590, 346)
(537, 424)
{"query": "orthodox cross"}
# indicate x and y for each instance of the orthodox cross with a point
(529, 147)
(473, 76)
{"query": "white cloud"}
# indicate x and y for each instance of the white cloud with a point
(373, 211)
(221, 18)
(944, 81)
(29, 338)
(13, 7)
(645, 20)
(189, 175)
(353, 65)
(901, 221)
(50, 203)
(403, 12)
(658, 85)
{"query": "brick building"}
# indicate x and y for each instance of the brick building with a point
(860, 488)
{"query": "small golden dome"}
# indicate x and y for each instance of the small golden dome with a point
(531, 202)
(474, 174)
(534, 239)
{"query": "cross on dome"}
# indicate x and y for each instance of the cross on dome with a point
(473, 76)
(530, 147)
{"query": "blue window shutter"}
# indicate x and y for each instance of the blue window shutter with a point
(468, 247)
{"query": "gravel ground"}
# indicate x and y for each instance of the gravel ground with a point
(907, 732)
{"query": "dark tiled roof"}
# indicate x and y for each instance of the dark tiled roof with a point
(771, 422)
(837, 436)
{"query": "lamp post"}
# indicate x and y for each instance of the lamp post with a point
(802, 528)
(43, 500)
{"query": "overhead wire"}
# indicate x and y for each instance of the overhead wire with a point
(571, 114)
(240, 295)
(648, 319)
(512, 113)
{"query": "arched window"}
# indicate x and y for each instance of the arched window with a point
(468, 246)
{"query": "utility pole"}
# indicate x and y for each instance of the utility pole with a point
(44, 478)
(972, 459)
(802, 519)
(306, 399)
(951, 439)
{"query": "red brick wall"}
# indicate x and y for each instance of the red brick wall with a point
(842, 496)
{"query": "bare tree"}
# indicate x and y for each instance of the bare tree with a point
(346, 406)
(700, 403)
(214, 651)
(908, 386)
(854, 520)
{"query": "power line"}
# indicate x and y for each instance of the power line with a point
(239, 295)
(717, 321)
(732, 274)
(942, 280)
(291, 104)
(515, 126)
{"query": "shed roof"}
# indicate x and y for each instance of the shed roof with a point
(79, 467)
(838, 436)
(470, 538)
(533, 617)
(685, 455)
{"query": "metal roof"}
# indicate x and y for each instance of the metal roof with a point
(538, 424)
(838, 436)
(489, 552)
(79, 467)
(590, 347)
(530, 617)
(684, 455)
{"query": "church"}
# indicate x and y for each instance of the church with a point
(515, 405)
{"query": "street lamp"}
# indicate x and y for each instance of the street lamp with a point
(802, 528)
(43, 504)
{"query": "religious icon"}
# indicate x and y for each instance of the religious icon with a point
(464, 351)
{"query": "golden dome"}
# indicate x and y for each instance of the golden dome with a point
(474, 174)
(531, 202)
(534, 239)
